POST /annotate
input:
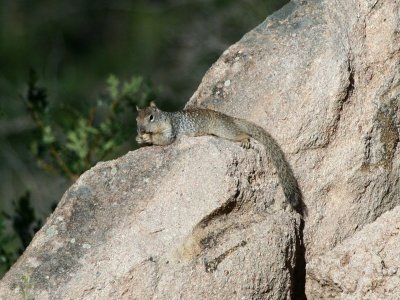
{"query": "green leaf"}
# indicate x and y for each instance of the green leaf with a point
(92, 130)
(77, 139)
(131, 87)
(48, 136)
(105, 127)
(34, 148)
(108, 145)
(113, 86)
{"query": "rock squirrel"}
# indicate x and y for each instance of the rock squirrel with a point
(157, 127)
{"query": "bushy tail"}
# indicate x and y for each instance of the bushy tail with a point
(288, 181)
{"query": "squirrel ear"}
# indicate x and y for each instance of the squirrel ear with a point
(137, 108)
(153, 104)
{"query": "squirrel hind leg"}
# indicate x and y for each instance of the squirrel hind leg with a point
(244, 140)
(235, 135)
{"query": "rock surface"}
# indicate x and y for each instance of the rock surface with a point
(367, 266)
(205, 219)
(323, 77)
(189, 221)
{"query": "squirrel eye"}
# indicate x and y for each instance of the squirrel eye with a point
(151, 118)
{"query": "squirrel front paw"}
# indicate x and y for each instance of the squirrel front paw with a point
(144, 138)
(139, 139)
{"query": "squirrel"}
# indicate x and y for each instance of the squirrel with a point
(157, 127)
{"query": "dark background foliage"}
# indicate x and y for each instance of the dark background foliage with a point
(71, 73)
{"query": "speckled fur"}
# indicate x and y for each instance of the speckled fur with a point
(156, 127)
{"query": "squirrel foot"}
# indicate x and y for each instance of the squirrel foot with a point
(245, 143)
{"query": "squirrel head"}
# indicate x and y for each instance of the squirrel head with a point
(150, 119)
